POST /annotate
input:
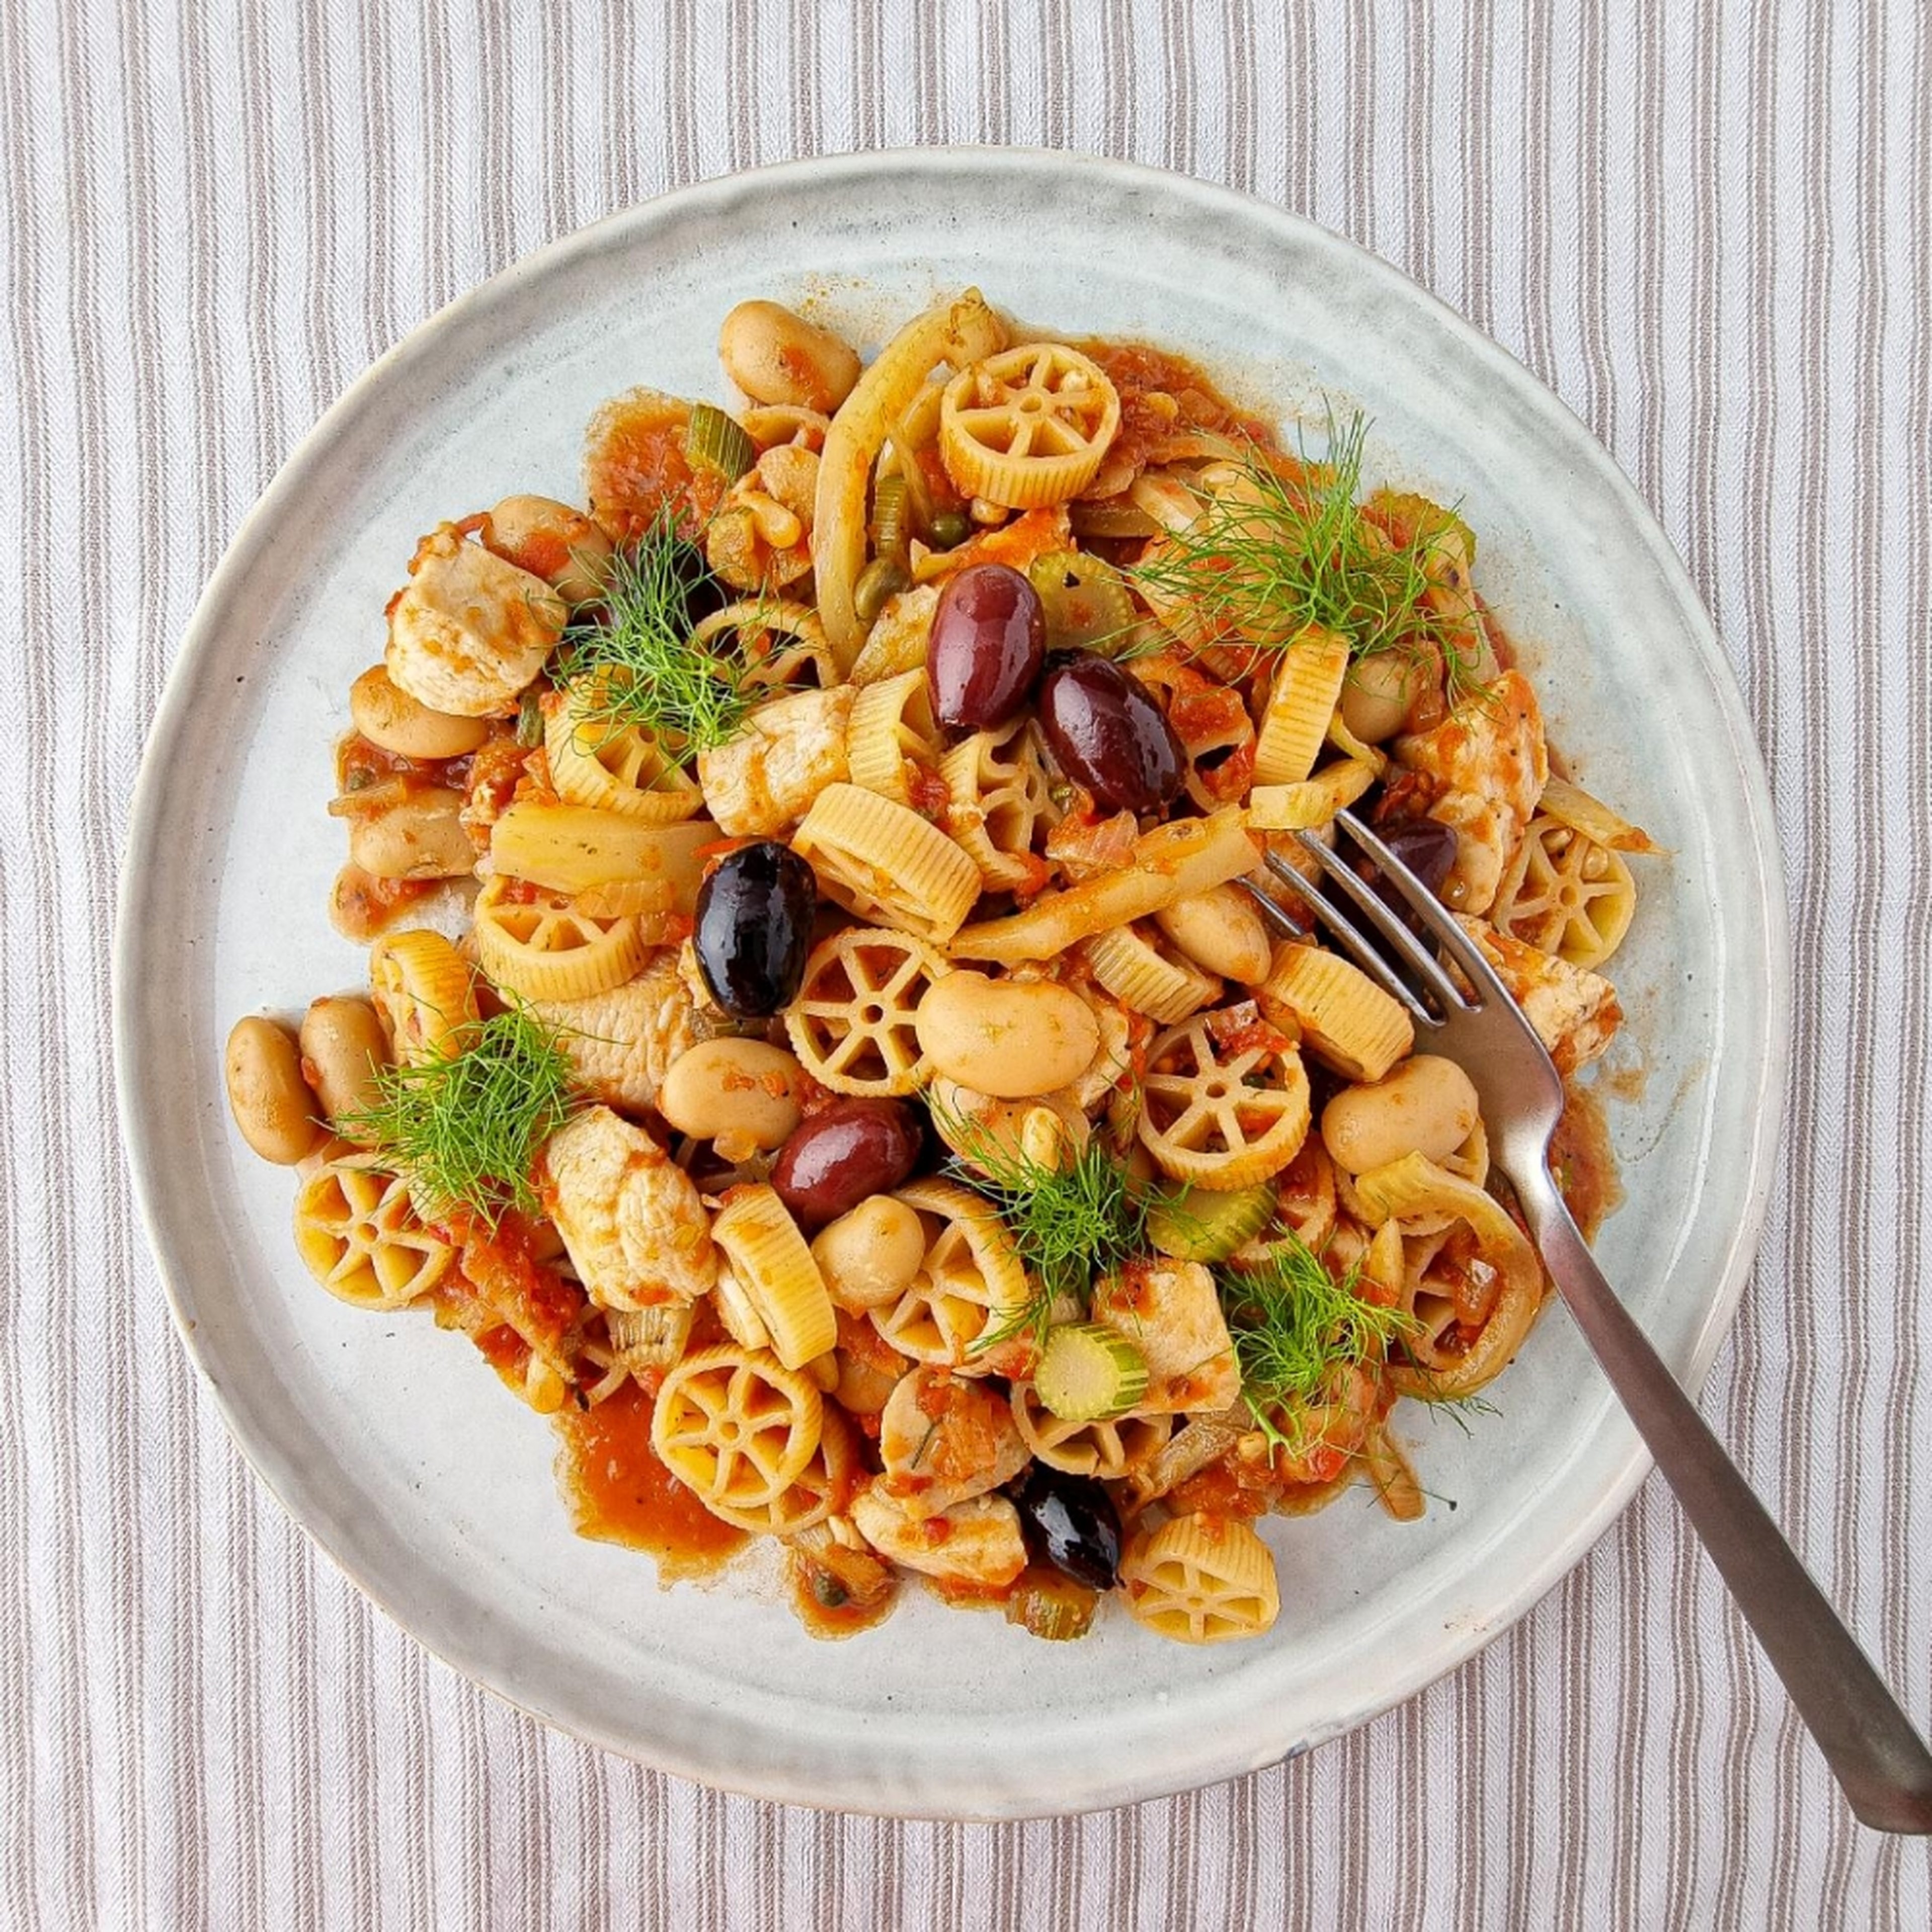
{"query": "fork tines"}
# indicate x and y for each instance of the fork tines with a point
(1439, 922)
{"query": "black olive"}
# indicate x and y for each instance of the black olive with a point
(754, 915)
(1427, 847)
(1107, 734)
(987, 640)
(846, 1152)
(1071, 1521)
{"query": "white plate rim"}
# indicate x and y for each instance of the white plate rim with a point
(142, 856)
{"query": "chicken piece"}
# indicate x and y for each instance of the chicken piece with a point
(1574, 1011)
(621, 1044)
(764, 780)
(1170, 1311)
(977, 1541)
(633, 1223)
(469, 631)
(944, 1439)
(760, 538)
(1489, 762)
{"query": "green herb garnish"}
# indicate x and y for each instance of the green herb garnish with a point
(1273, 558)
(1070, 1225)
(1293, 1324)
(630, 660)
(465, 1128)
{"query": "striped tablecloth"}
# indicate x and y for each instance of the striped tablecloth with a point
(1706, 226)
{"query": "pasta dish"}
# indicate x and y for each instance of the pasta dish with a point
(831, 1040)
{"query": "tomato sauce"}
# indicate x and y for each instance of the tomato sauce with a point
(1581, 1159)
(620, 1492)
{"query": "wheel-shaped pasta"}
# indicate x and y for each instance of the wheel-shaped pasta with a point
(1223, 1110)
(1027, 427)
(596, 759)
(359, 1231)
(971, 1284)
(1345, 1020)
(852, 1025)
(891, 735)
(1147, 977)
(880, 860)
(1105, 1451)
(1564, 893)
(736, 1427)
(1001, 800)
(1300, 704)
(775, 1270)
(1494, 1297)
(421, 987)
(781, 642)
(542, 946)
(1201, 1582)
(835, 1469)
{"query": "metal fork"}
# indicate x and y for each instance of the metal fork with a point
(1868, 1742)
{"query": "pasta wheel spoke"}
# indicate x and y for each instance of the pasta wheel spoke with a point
(1223, 1118)
(1108, 1451)
(1028, 427)
(1000, 801)
(1565, 893)
(970, 1284)
(595, 761)
(811, 1496)
(736, 1426)
(544, 946)
(782, 643)
(852, 1026)
(1201, 1582)
(358, 1231)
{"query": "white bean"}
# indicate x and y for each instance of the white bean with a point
(872, 1255)
(1377, 693)
(1220, 930)
(723, 1088)
(1009, 1038)
(343, 1049)
(393, 720)
(271, 1101)
(552, 541)
(1427, 1106)
(419, 837)
(774, 356)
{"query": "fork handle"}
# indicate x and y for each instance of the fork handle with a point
(1869, 1742)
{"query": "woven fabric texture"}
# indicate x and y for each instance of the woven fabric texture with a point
(1707, 227)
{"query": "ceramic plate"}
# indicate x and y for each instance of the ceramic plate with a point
(394, 1446)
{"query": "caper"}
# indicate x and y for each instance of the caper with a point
(949, 528)
(884, 577)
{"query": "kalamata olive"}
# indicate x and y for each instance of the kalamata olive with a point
(844, 1154)
(988, 639)
(1108, 733)
(1071, 1521)
(754, 928)
(1425, 846)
